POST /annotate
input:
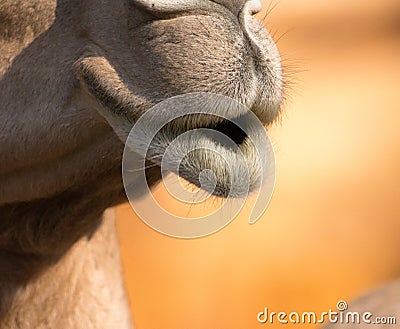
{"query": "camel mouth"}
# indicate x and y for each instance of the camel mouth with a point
(217, 155)
(228, 129)
(212, 141)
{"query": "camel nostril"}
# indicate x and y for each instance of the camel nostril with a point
(240, 7)
(253, 7)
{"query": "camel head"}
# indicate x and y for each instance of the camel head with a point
(142, 52)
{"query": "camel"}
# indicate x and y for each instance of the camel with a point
(71, 73)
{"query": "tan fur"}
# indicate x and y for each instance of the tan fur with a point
(68, 68)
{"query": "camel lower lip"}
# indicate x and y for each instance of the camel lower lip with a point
(219, 158)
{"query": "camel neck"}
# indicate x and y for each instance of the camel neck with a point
(87, 279)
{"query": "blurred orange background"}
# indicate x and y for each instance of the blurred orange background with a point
(332, 228)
